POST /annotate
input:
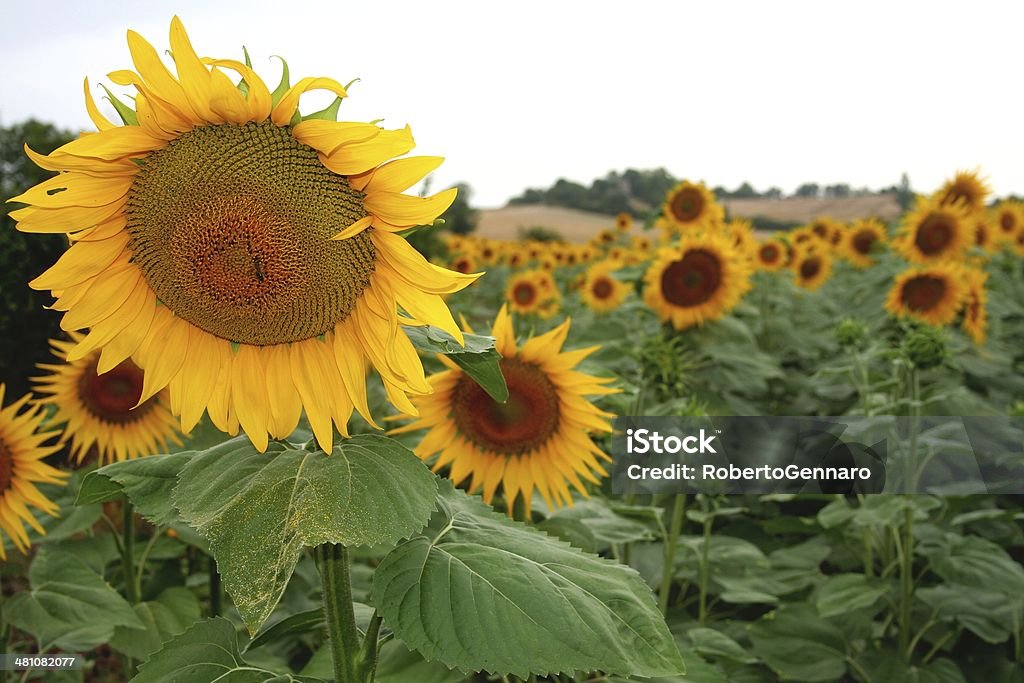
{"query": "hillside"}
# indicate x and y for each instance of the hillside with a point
(579, 226)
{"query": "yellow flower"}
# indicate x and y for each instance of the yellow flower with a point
(523, 292)
(623, 222)
(931, 294)
(966, 190)
(861, 239)
(812, 267)
(22, 451)
(934, 232)
(539, 440)
(689, 206)
(244, 256)
(695, 281)
(100, 409)
(1008, 218)
(770, 254)
(600, 290)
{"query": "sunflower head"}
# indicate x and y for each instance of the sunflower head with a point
(537, 441)
(244, 255)
(1008, 218)
(23, 445)
(861, 240)
(623, 222)
(975, 311)
(965, 190)
(932, 294)
(770, 254)
(812, 267)
(698, 280)
(925, 346)
(689, 206)
(600, 290)
(934, 232)
(531, 292)
(101, 406)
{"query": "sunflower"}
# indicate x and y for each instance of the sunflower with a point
(243, 255)
(100, 409)
(22, 451)
(691, 205)
(604, 237)
(741, 233)
(623, 222)
(825, 229)
(538, 440)
(931, 294)
(983, 234)
(463, 263)
(770, 254)
(965, 190)
(934, 232)
(600, 290)
(698, 280)
(861, 239)
(812, 267)
(1008, 218)
(642, 244)
(975, 313)
(523, 292)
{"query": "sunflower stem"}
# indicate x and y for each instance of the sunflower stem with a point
(668, 562)
(333, 563)
(131, 586)
(215, 591)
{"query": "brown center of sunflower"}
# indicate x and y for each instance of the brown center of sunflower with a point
(820, 229)
(923, 292)
(111, 396)
(687, 204)
(810, 267)
(230, 225)
(693, 279)
(524, 422)
(1007, 221)
(981, 235)
(863, 241)
(769, 253)
(602, 288)
(6, 466)
(462, 265)
(933, 235)
(524, 293)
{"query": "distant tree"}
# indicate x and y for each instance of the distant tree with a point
(808, 190)
(905, 194)
(837, 191)
(773, 193)
(460, 217)
(745, 191)
(27, 325)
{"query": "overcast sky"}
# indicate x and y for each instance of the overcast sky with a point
(518, 94)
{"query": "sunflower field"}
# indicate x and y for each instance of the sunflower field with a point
(293, 429)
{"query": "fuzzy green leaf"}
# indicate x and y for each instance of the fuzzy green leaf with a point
(147, 482)
(478, 358)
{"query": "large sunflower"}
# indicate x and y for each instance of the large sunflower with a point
(931, 294)
(697, 280)
(100, 409)
(935, 232)
(861, 239)
(243, 255)
(689, 206)
(538, 440)
(601, 291)
(22, 451)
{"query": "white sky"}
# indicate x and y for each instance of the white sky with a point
(518, 94)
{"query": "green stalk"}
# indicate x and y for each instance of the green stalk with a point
(910, 476)
(333, 563)
(668, 563)
(907, 582)
(215, 592)
(131, 586)
(3, 637)
(702, 612)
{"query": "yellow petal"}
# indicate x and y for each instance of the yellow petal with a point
(282, 113)
(99, 120)
(93, 167)
(354, 229)
(108, 291)
(396, 176)
(313, 372)
(80, 262)
(328, 136)
(204, 357)
(115, 143)
(249, 395)
(410, 265)
(127, 342)
(194, 77)
(360, 157)
(103, 231)
(75, 189)
(546, 344)
(429, 309)
(504, 333)
(226, 100)
(352, 367)
(111, 326)
(165, 348)
(285, 404)
(407, 210)
(158, 77)
(258, 99)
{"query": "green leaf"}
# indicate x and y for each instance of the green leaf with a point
(208, 651)
(478, 358)
(147, 482)
(844, 593)
(990, 615)
(713, 644)
(170, 614)
(69, 605)
(258, 510)
(303, 622)
(799, 645)
(283, 85)
(127, 114)
(479, 591)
